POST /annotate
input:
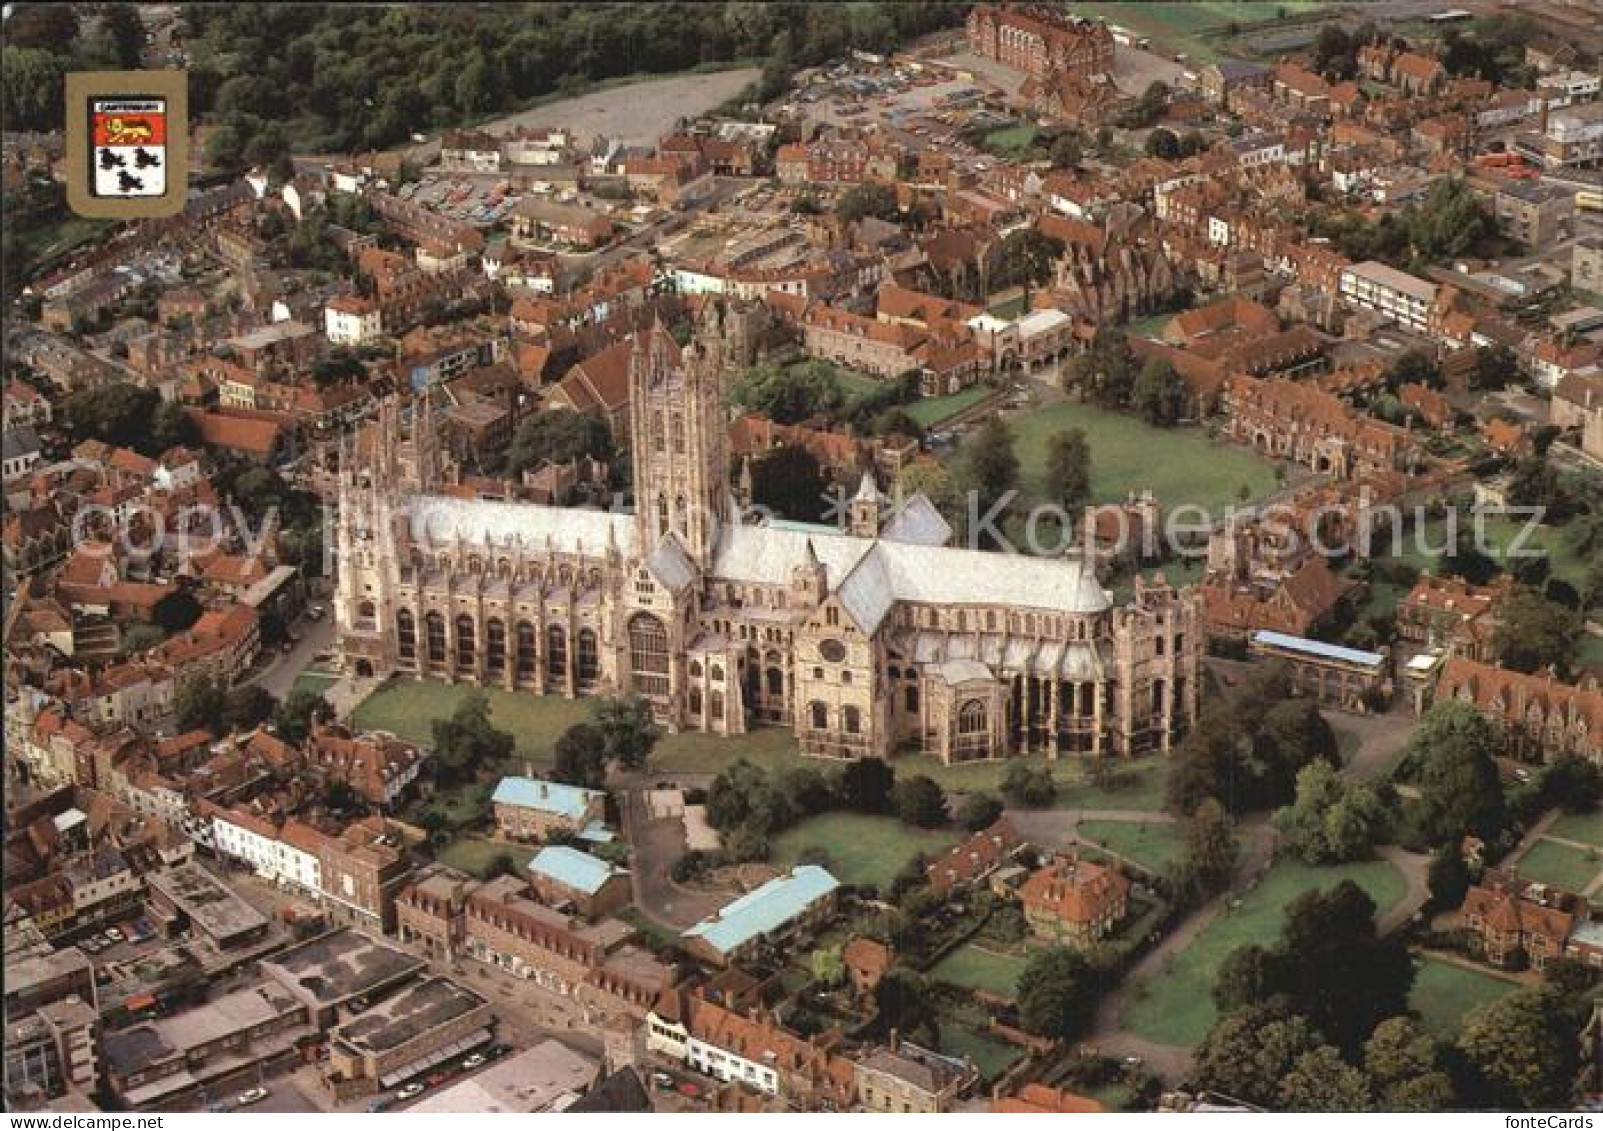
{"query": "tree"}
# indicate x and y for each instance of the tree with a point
(789, 481)
(293, 719)
(1211, 849)
(31, 88)
(935, 482)
(467, 740)
(1023, 258)
(198, 704)
(1495, 367)
(871, 198)
(247, 706)
(979, 811)
(1454, 749)
(627, 731)
(561, 436)
(988, 468)
(1057, 993)
(1524, 1047)
(1534, 633)
(1404, 1065)
(1029, 785)
(1159, 396)
(1068, 149)
(920, 801)
(791, 394)
(124, 32)
(580, 756)
(1321, 1081)
(1447, 878)
(1068, 468)
(176, 612)
(1249, 1052)
(1332, 820)
(1163, 143)
(1105, 373)
(828, 968)
(866, 784)
(1534, 483)
(903, 1002)
(1329, 945)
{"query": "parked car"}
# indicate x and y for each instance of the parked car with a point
(662, 1079)
(115, 935)
(473, 1061)
(689, 1088)
(411, 1091)
(251, 1096)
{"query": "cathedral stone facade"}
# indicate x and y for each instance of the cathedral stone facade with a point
(870, 638)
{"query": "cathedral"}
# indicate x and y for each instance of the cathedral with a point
(870, 637)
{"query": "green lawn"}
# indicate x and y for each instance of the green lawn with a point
(1587, 828)
(1444, 993)
(310, 679)
(693, 753)
(930, 411)
(1175, 1007)
(991, 1056)
(1179, 465)
(1423, 546)
(1549, 862)
(409, 708)
(862, 849)
(1188, 26)
(1589, 654)
(1012, 307)
(1012, 139)
(1153, 846)
(474, 854)
(975, 968)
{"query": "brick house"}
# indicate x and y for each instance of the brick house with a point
(1077, 902)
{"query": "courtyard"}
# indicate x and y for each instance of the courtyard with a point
(1180, 466)
(976, 967)
(859, 849)
(1175, 1007)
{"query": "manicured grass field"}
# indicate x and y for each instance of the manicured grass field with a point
(1586, 828)
(1179, 465)
(1183, 26)
(1013, 139)
(1445, 993)
(690, 753)
(1549, 862)
(862, 849)
(930, 411)
(1153, 846)
(1176, 1006)
(975, 968)
(1424, 546)
(475, 855)
(991, 1056)
(409, 708)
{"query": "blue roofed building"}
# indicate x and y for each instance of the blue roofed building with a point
(1348, 679)
(561, 876)
(534, 809)
(780, 908)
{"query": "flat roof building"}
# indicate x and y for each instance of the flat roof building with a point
(549, 1077)
(778, 907)
(333, 970)
(423, 1026)
(191, 894)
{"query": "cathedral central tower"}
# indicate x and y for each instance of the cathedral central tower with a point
(679, 436)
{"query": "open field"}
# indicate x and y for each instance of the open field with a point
(1424, 546)
(635, 112)
(862, 849)
(931, 411)
(975, 968)
(1176, 1006)
(1563, 865)
(410, 707)
(1154, 847)
(1179, 465)
(1586, 828)
(1012, 139)
(1134, 784)
(1444, 993)
(476, 854)
(1190, 27)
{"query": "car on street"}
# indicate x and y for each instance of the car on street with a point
(250, 1096)
(411, 1091)
(473, 1061)
(662, 1079)
(115, 934)
(689, 1088)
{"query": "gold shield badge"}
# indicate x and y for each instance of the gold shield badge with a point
(127, 143)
